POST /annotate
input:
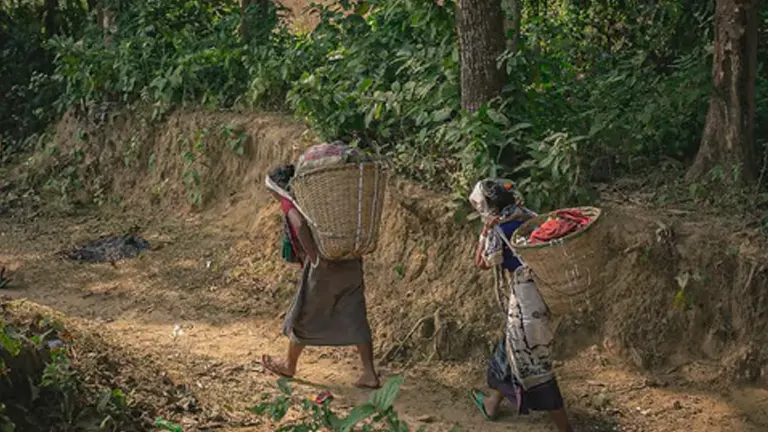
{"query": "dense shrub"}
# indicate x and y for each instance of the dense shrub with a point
(593, 92)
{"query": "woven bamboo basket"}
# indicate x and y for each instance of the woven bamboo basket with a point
(343, 205)
(567, 268)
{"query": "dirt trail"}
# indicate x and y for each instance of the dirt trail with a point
(217, 273)
(204, 278)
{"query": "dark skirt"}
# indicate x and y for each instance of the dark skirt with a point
(543, 397)
(329, 306)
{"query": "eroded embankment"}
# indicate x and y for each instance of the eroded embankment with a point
(677, 286)
(64, 373)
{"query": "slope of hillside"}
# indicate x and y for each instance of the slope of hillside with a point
(637, 359)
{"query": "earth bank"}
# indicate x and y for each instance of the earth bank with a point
(682, 303)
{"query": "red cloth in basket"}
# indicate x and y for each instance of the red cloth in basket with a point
(565, 222)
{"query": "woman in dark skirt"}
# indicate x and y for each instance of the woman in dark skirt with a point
(329, 306)
(521, 367)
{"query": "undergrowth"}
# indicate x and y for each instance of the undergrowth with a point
(593, 93)
(40, 388)
(378, 414)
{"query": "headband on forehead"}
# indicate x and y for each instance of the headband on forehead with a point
(498, 184)
(491, 192)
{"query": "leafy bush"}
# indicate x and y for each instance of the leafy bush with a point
(593, 92)
(40, 387)
(378, 414)
(27, 89)
(170, 53)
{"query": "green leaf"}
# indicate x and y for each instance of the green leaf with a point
(282, 384)
(384, 398)
(364, 85)
(442, 115)
(259, 409)
(118, 398)
(357, 415)
(547, 161)
(681, 299)
(363, 8)
(497, 117)
(10, 344)
(519, 126)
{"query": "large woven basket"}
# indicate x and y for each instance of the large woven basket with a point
(565, 269)
(343, 205)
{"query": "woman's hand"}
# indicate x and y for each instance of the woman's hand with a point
(489, 223)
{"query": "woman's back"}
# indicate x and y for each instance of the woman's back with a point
(511, 261)
(495, 250)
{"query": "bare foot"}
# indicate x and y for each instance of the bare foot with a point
(490, 407)
(368, 380)
(277, 367)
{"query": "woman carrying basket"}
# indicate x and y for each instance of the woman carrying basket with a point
(521, 367)
(329, 307)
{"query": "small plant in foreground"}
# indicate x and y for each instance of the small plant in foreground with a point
(6, 425)
(378, 414)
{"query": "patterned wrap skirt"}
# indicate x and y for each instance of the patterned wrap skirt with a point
(521, 365)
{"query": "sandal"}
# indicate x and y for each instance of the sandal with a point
(269, 364)
(478, 397)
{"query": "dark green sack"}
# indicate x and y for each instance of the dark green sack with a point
(289, 254)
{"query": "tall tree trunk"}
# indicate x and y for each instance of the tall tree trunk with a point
(729, 133)
(480, 26)
(242, 28)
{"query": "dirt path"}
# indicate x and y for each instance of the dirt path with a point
(209, 279)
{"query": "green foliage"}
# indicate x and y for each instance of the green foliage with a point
(55, 394)
(192, 156)
(9, 342)
(59, 377)
(553, 173)
(378, 414)
(12, 346)
(594, 91)
(169, 53)
(236, 139)
(28, 89)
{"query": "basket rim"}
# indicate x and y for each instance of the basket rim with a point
(598, 214)
(340, 167)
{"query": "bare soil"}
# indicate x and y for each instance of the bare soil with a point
(629, 360)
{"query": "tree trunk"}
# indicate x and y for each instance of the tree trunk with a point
(729, 133)
(242, 27)
(480, 26)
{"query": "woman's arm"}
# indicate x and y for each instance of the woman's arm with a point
(479, 256)
(304, 234)
(480, 252)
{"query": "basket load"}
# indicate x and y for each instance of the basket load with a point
(565, 253)
(340, 191)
